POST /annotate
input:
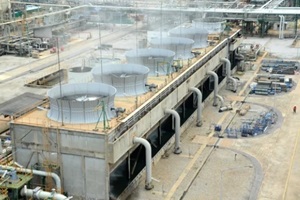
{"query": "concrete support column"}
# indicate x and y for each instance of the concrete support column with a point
(148, 153)
(199, 105)
(177, 149)
(216, 88)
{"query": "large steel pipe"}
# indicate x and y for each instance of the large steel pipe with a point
(39, 173)
(177, 149)
(216, 88)
(228, 73)
(199, 105)
(40, 194)
(147, 146)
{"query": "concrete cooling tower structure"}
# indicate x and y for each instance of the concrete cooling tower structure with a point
(79, 74)
(128, 79)
(81, 102)
(181, 46)
(82, 74)
(211, 24)
(159, 61)
(198, 34)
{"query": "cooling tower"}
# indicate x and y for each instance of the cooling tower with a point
(81, 102)
(199, 35)
(96, 62)
(211, 24)
(79, 75)
(159, 61)
(128, 79)
(181, 46)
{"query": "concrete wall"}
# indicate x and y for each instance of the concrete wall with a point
(81, 157)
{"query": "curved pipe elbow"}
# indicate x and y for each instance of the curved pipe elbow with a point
(221, 100)
(177, 149)
(40, 173)
(242, 57)
(228, 73)
(40, 194)
(216, 85)
(234, 83)
(148, 153)
(228, 66)
(199, 104)
(53, 175)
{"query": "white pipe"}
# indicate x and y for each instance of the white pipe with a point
(216, 85)
(221, 100)
(177, 149)
(199, 105)
(18, 164)
(228, 73)
(41, 4)
(38, 172)
(1, 149)
(282, 27)
(147, 146)
(40, 194)
(279, 30)
(44, 15)
(4, 173)
(239, 55)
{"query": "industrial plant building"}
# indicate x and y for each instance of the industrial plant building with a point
(101, 91)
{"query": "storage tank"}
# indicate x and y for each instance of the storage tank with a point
(82, 103)
(128, 79)
(159, 61)
(181, 46)
(198, 34)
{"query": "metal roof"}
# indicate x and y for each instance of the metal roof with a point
(21, 104)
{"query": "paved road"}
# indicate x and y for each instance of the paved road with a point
(72, 51)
